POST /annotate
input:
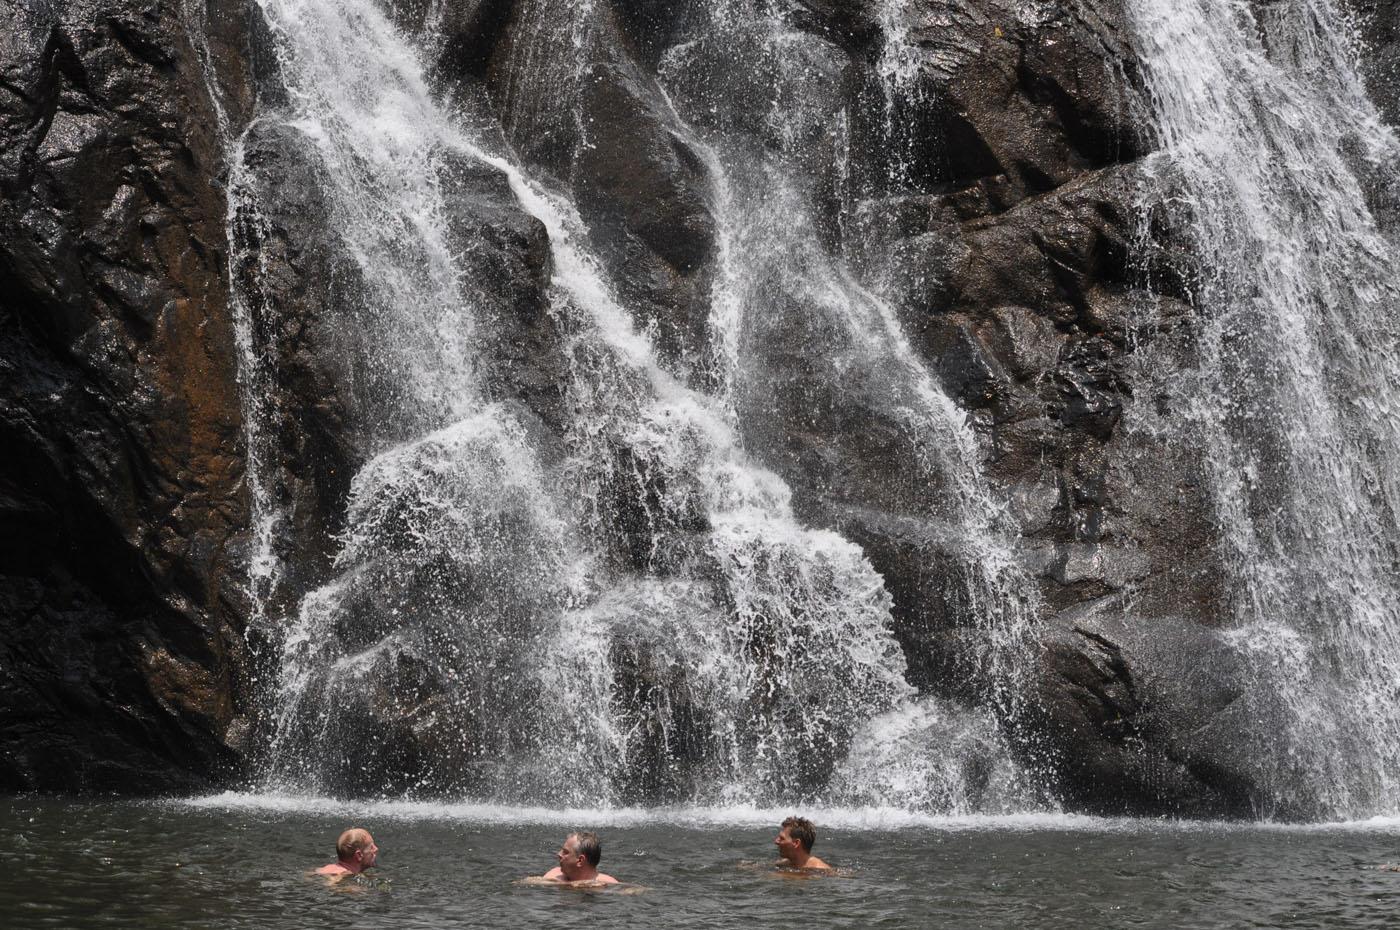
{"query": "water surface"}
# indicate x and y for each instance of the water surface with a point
(239, 861)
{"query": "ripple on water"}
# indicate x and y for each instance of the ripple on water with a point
(240, 861)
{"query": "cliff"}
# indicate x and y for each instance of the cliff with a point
(992, 190)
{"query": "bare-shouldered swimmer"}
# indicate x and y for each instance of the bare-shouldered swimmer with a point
(355, 851)
(795, 841)
(578, 861)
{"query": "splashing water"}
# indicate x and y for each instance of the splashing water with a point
(454, 561)
(1271, 150)
(648, 620)
(777, 283)
(804, 653)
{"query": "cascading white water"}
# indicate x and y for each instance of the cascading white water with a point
(255, 386)
(1270, 147)
(453, 560)
(476, 585)
(786, 627)
(771, 257)
(729, 654)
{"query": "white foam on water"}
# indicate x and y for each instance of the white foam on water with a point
(854, 819)
(738, 815)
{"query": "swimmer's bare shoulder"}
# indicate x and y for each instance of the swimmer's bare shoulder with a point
(598, 881)
(345, 880)
(556, 874)
(785, 870)
(602, 881)
(813, 865)
(330, 874)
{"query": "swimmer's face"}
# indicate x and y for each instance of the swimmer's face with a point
(369, 855)
(787, 846)
(570, 859)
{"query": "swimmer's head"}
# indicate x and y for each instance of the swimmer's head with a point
(580, 855)
(356, 848)
(589, 846)
(796, 831)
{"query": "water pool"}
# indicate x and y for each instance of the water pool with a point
(239, 861)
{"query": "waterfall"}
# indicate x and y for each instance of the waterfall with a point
(922, 752)
(1270, 150)
(454, 559)
(775, 264)
(644, 618)
(244, 226)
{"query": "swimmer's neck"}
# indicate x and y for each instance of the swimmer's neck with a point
(802, 859)
(556, 874)
(799, 858)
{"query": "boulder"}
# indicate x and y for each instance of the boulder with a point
(1147, 715)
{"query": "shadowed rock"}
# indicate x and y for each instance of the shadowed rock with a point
(120, 602)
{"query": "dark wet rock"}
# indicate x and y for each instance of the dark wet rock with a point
(919, 559)
(575, 101)
(295, 281)
(121, 497)
(506, 253)
(1140, 713)
(1380, 33)
(644, 192)
(996, 197)
(1022, 97)
(850, 23)
(460, 36)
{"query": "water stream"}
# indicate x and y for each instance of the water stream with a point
(1271, 148)
(488, 629)
(644, 606)
(781, 281)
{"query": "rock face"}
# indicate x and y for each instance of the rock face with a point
(992, 197)
(121, 504)
(1380, 31)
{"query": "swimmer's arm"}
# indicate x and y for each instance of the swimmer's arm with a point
(555, 874)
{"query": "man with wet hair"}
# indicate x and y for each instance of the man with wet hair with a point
(795, 841)
(578, 861)
(355, 851)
